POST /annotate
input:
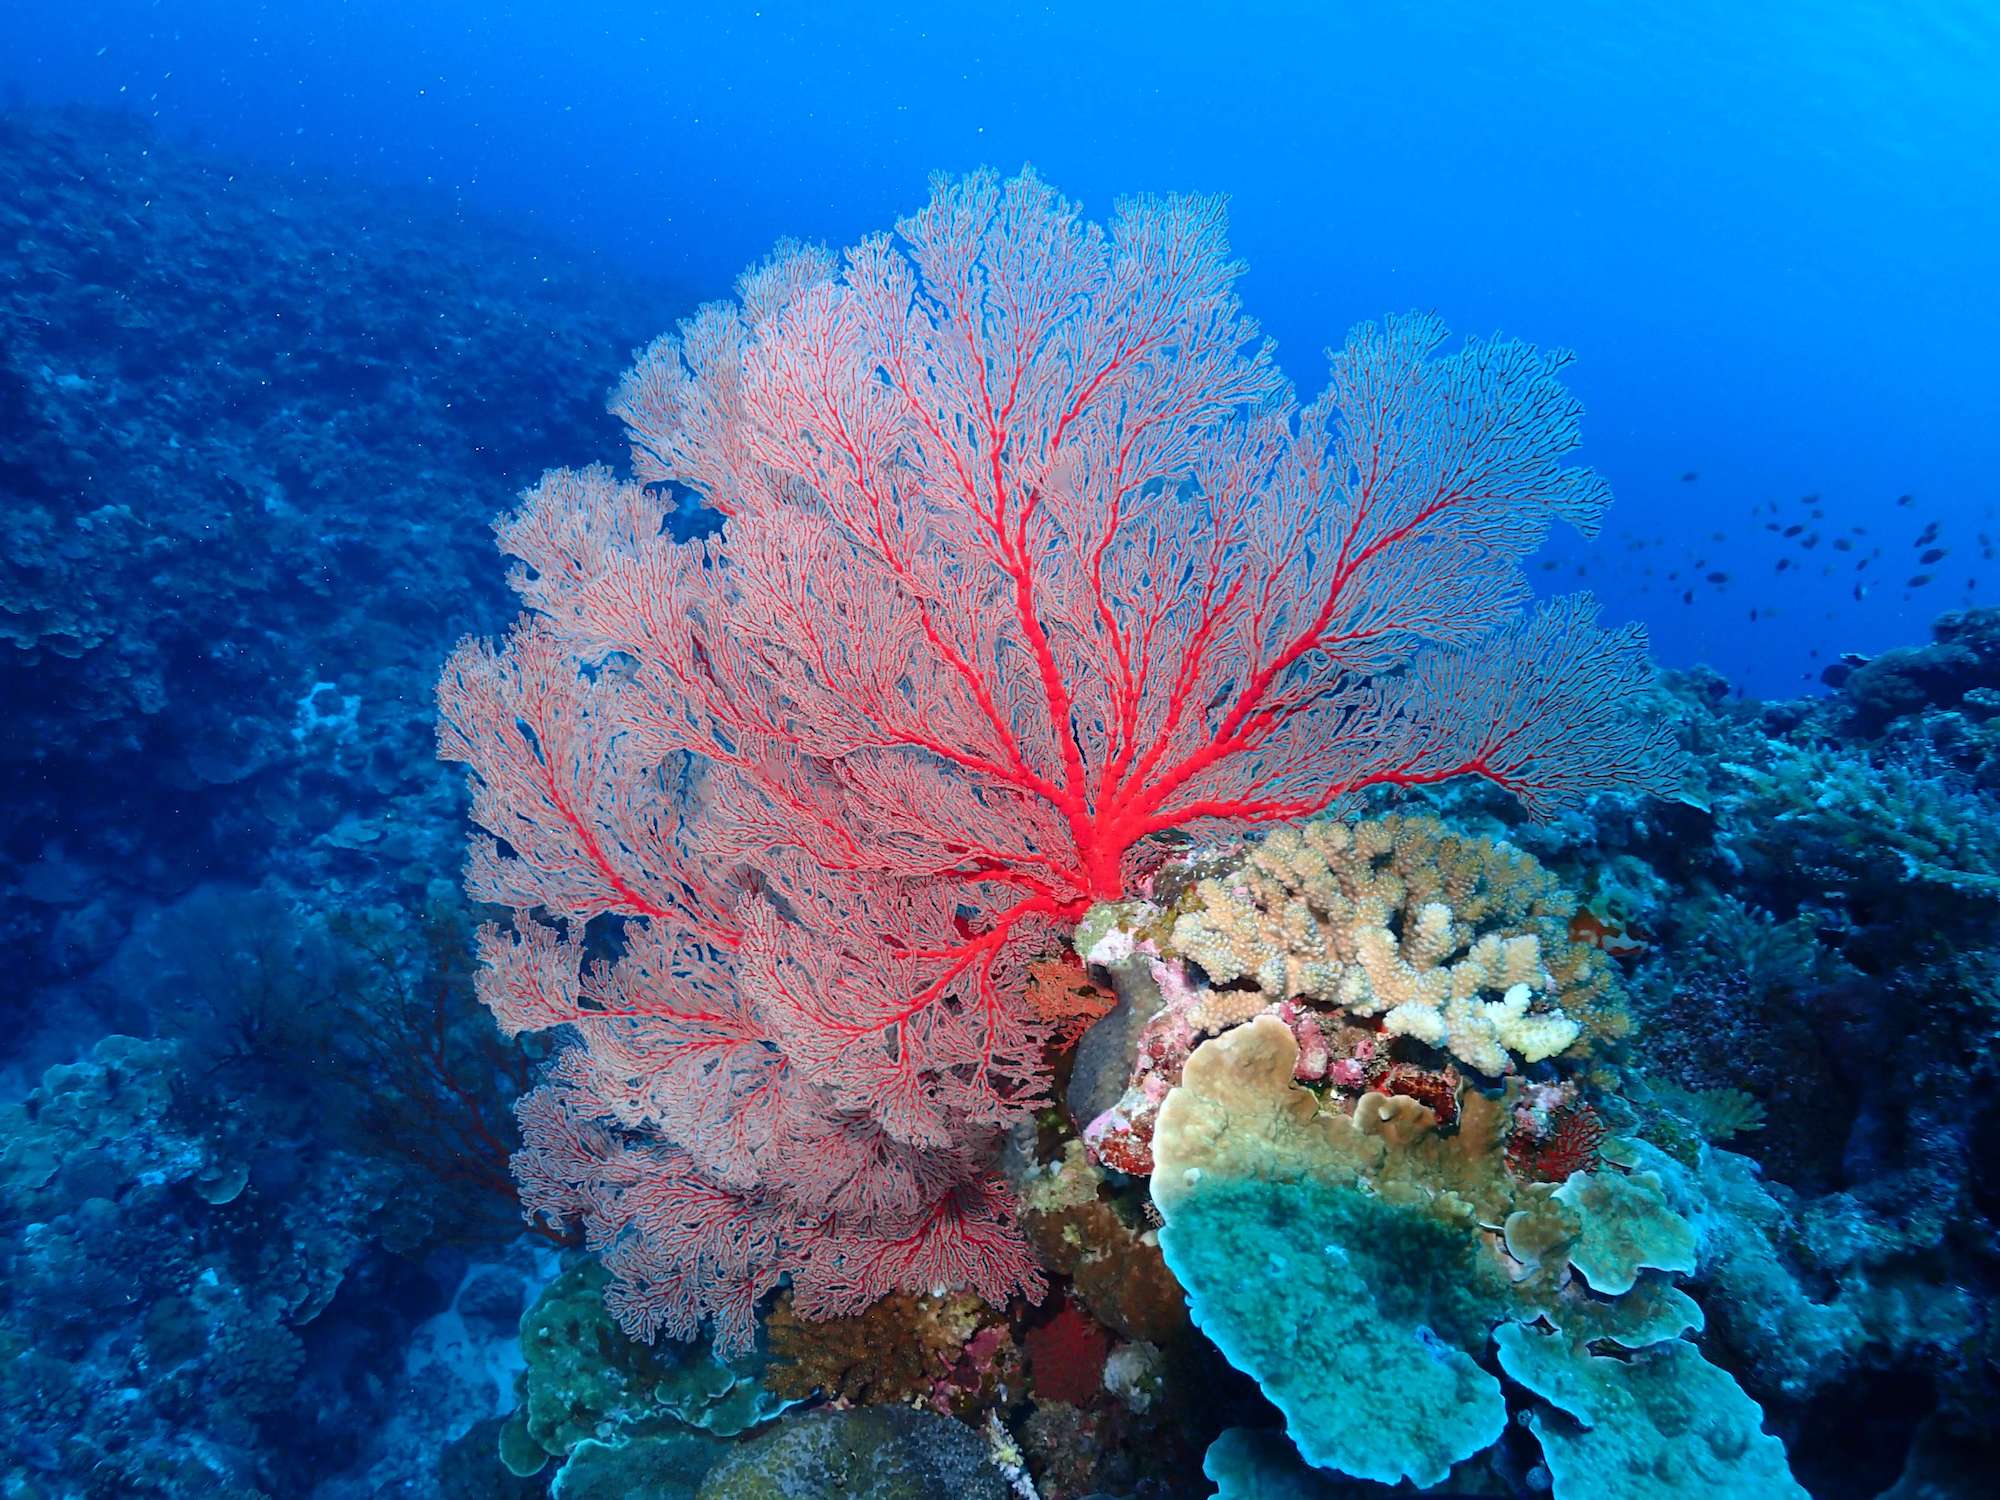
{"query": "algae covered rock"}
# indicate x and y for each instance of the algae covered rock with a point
(665, 1466)
(471, 1468)
(867, 1453)
(586, 1379)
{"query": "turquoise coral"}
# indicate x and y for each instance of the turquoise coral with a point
(1658, 1424)
(1404, 1250)
(1389, 1294)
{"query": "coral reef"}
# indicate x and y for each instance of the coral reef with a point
(177, 1282)
(258, 1234)
(826, 773)
(234, 434)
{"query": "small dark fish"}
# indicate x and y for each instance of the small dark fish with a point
(1926, 536)
(1843, 544)
(1794, 529)
(1718, 536)
(1690, 477)
(1918, 581)
(1934, 555)
(1772, 526)
(1860, 592)
(1718, 578)
(1808, 499)
(1753, 614)
(1687, 596)
(1784, 563)
(1862, 564)
(1906, 499)
(1811, 541)
(1818, 514)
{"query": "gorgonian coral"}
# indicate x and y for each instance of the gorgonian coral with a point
(1030, 558)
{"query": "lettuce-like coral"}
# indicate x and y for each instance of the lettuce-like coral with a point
(1656, 1424)
(1403, 1247)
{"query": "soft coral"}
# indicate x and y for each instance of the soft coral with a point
(1030, 558)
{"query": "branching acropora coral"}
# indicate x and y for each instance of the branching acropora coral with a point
(1460, 943)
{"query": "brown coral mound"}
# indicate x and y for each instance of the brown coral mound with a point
(897, 1350)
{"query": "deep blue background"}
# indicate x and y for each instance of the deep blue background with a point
(1768, 229)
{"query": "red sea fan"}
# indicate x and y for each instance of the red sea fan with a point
(1566, 1144)
(1030, 558)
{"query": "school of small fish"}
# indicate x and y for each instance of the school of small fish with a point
(1873, 560)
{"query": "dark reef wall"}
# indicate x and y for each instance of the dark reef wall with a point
(251, 433)
(250, 436)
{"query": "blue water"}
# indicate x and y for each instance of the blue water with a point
(1767, 230)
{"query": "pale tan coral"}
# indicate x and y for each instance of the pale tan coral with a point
(1218, 1010)
(1238, 1114)
(1397, 1118)
(1460, 943)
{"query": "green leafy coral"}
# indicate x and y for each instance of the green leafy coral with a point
(586, 1381)
(1653, 1424)
(1402, 1247)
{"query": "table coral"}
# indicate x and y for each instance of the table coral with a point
(1658, 1424)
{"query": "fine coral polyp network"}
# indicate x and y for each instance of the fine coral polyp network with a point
(1030, 557)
